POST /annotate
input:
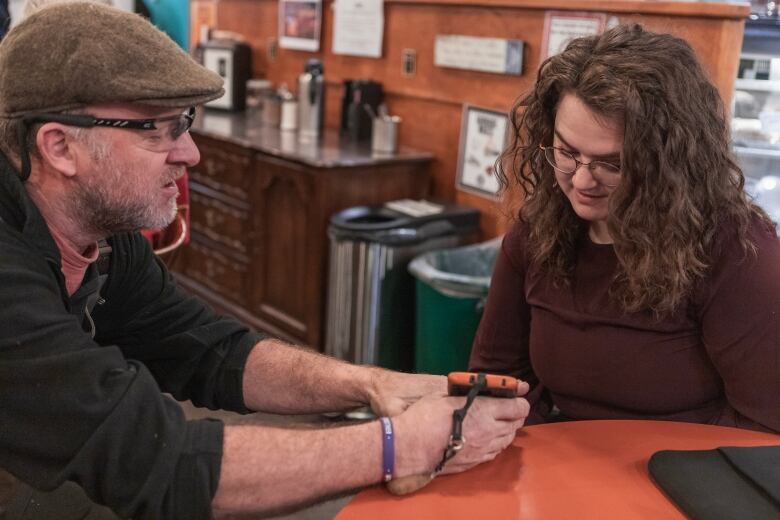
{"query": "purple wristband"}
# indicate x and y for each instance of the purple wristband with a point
(388, 449)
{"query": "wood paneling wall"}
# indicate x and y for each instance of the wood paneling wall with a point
(430, 102)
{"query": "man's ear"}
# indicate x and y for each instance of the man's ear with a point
(55, 146)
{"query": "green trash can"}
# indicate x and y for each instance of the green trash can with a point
(451, 287)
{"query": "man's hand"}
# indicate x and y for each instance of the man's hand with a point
(390, 393)
(423, 430)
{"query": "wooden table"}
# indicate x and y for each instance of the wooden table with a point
(581, 469)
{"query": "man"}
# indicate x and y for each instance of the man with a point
(95, 105)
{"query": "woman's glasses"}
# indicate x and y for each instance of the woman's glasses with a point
(605, 173)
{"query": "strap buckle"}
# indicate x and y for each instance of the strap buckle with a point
(456, 444)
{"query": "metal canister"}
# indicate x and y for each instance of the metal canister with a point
(384, 134)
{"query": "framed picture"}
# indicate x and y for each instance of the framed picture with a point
(561, 27)
(483, 135)
(299, 24)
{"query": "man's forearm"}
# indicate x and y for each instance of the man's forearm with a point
(280, 378)
(265, 469)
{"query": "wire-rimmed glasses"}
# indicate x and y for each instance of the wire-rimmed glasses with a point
(563, 161)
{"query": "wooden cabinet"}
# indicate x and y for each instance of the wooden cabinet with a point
(259, 245)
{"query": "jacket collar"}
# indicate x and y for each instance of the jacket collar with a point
(18, 211)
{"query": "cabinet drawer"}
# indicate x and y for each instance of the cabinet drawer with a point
(222, 167)
(219, 272)
(223, 223)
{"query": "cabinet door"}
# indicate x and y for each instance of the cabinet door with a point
(223, 167)
(207, 264)
(220, 218)
(283, 289)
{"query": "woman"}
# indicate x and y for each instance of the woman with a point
(639, 281)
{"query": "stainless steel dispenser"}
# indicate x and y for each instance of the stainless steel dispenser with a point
(232, 60)
(311, 100)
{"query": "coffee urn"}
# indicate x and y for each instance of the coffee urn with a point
(359, 106)
(311, 100)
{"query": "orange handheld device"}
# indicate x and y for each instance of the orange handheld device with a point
(459, 383)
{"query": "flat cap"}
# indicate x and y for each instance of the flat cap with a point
(82, 53)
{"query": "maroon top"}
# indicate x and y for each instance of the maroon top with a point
(715, 361)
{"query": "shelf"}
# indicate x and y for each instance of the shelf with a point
(768, 153)
(762, 36)
(763, 85)
(754, 23)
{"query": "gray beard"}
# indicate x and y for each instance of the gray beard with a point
(105, 214)
(105, 217)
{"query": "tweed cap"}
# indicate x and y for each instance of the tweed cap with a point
(75, 54)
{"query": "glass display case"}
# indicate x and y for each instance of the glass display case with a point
(756, 110)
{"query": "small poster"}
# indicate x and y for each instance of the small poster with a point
(483, 135)
(358, 27)
(300, 22)
(561, 27)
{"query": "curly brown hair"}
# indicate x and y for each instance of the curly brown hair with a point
(679, 182)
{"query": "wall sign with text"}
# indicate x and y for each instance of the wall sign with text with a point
(497, 55)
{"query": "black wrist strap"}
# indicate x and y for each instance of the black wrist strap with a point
(457, 441)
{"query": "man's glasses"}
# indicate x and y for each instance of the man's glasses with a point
(160, 134)
(605, 173)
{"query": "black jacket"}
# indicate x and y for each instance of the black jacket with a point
(5, 18)
(90, 410)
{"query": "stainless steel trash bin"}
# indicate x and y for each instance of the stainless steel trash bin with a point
(370, 313)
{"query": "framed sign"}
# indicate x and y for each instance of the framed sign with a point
(483, 135)
(561, 27)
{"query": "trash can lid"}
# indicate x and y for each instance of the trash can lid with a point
(383, 224)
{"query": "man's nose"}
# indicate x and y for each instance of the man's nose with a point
(184, 151)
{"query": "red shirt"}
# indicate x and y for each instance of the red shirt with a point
(73, 263)
(716, 360)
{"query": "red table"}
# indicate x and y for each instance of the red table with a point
(581, 469)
